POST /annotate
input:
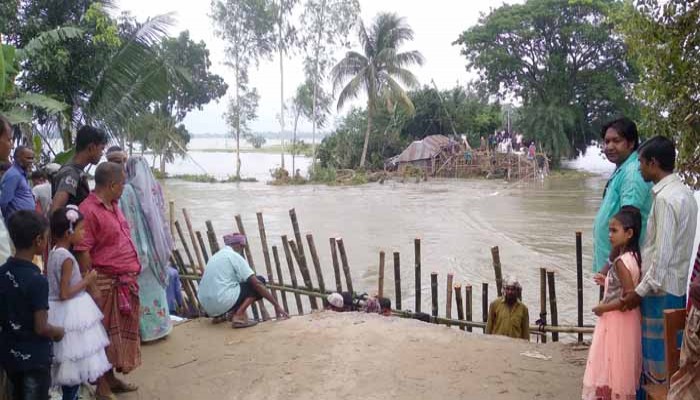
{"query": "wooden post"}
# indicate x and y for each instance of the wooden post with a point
(266, 254)
(305, 275)
(495, 255)
(553, 304)
(280, 280)
(299, 241)
(203, 246)
(380, 288)
(468, 305)
(579, 281)
(416, 249)
(543, 300)
(460, 306)
(178, 228)
(484, 303)
(213, 241)
(292, 274)
(317, 263)
(195, 245)
(397, 279)
(249, 258)
(434, 292)
(172, 217)
(188, 286)
(448, 297)
(346, 267)
(336, 266)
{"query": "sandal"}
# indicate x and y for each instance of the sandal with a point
(243, 324)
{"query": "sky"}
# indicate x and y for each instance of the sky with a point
(436, 24)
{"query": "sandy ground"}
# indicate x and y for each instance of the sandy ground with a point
(351, 356)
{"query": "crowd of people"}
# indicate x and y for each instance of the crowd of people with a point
(106, 267)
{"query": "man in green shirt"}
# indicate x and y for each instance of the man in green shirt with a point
(626, 187)
(507, 315)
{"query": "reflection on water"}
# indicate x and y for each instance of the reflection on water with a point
(458, 221)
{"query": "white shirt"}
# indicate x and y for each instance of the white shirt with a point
(668, 247)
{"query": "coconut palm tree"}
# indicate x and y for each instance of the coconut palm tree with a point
(378, 70)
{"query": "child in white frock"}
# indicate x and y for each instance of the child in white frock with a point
(80, 357)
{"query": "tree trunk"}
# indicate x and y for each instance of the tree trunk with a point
(162, 166)
(281, 53)
(238, 122)
(294, 142)
(369, 129)
(317, 78)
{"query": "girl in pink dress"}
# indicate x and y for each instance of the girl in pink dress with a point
(615, 357)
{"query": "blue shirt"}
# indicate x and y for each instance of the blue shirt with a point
(174, 290)
(23, 291)
(16, 193)
(221, 283)
(626, 187)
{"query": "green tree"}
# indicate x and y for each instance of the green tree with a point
(325, 27)
(302, 106)
(161, 132)
(286, 37)
(378, 70)
(664, 40)
(557, 55)
(247, 26)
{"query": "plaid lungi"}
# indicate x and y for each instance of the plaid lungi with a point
(686, 382)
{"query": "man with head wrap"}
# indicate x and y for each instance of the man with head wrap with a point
(507, 315)
(229, 286)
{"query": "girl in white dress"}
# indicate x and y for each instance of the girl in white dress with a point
(80, 357)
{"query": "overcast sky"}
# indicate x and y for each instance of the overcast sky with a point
(436, 23)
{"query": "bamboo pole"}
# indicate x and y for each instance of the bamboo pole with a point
(188, 286)
(458, 300)
(468, 305)
(553, 304)
(484, 303)
(448, 297)
(213, 241)
(304, 272)
(543, 300)
(249, 259)
(299, 241)
(380, 288)
(280, 280)
(346, 267)
(336, 266)
(416, 252)
(292, 274)
(202, 245)
(434, 292)
(195, 245)
(579, 281)
(496, 256)
(185, 247)
(266, 254)
(316, 261)
(172, 217)
(397, 279)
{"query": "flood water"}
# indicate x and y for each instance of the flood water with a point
(458, 221)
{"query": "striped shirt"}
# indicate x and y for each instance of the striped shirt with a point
(669, 241)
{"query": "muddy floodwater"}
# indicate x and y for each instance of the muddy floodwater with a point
(458, 221)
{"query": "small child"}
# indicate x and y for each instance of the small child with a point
(25, 333)
(80, 356)
(615, 357)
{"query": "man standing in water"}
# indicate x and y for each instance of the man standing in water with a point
(507, 315)
(625, 188)
(666, 253)
(70, 185)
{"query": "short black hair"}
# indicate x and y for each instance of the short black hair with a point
(88, 135)
(60, 223)
(38, 175)
(625, 127)
(24, 226)
(20, 149)
(5, 126)
(662, 150)
(114, 149)
(107, 172)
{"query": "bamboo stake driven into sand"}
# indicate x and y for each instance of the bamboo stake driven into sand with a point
(188, 286)
(460, 306)
(468, 305)
(336, 266)
(202, 245)
(292, 274)
(434, 293)
(448, 297)
(304, 272)
(416, 252)
(316, 261)
(346, 266)
(397, 279)
(496, 256)
(380, 283)
(579, 282)
(484, 303)
(213, 241)
(299, 242)
(185, 247)
(172, 217)
(251, 263)
(553, 304)
(543, 300)
(266, 255)
(195, 245)
(280, 280)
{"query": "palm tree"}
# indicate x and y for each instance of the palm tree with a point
(379, 70)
